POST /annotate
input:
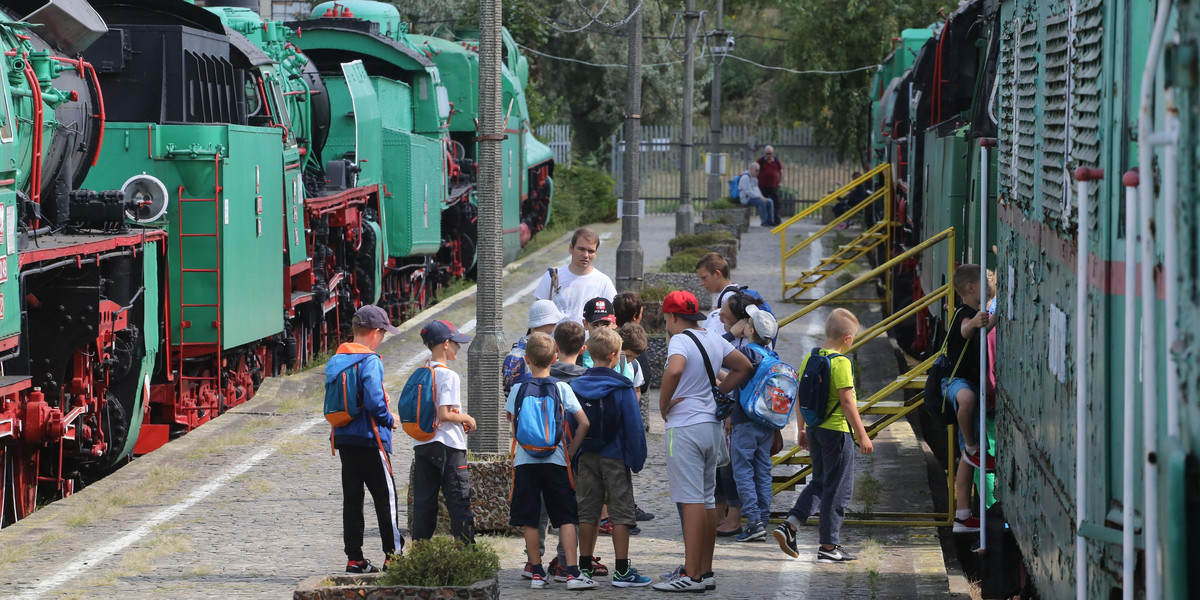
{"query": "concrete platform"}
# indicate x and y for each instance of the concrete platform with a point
(250, 504)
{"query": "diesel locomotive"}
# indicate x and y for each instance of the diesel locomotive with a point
(1069, 121)
(247, 185)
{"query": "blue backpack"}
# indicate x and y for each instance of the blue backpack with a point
(539, 417)
(753, 294)
(417, 407)
(342, 399)
(734, 193)
(513, 370)
(812, 397)
(768, 396)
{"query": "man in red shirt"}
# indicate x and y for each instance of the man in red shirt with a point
(770, 175)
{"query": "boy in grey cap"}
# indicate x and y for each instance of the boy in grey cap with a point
(543, 316)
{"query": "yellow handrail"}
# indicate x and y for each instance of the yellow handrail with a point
(948, 234)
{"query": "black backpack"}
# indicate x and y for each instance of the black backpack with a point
(940, 408)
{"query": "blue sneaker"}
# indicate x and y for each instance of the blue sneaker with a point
(752, 533)
(630, 578)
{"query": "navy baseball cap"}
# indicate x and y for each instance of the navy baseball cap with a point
(436, 332)
(599, 309)
(373, 317)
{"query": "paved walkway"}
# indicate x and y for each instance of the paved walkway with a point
(250, 504)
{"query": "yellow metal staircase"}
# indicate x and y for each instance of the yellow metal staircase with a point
(870, 239)
(879, 410)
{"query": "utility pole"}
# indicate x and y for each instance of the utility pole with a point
(487, 349)
(719, 47)
(630, 256)
(685, 217)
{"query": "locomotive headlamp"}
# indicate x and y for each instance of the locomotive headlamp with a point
(147, 198)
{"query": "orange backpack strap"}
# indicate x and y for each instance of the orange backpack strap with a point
(332, 448)
(379, 441)
(512, 459)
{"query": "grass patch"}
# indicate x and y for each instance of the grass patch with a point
(544, 238)
(260, 486)
(455, 286)
(139, 560)
(683, 261)
(295, 446)
(243, 436)
(198, 571)
(443, 561)
(656, 293)
(699, 240)
(725, 203)
(868, 490)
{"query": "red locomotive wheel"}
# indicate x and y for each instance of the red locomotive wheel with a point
(24, 477)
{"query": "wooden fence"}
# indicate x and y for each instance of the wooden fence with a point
(810, 170)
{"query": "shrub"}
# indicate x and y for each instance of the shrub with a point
(442, 561)
(656, 293)
(683, 261)
(722, 204)
(582, 195)
(699, 240)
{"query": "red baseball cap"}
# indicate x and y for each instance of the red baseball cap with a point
(684, 305)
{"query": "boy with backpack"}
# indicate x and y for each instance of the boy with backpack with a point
(828, 441)
(440, 451)
(537, 409)
(614, 445)
(543, 317)
(713, 271)
(750, 440)
(356, 405)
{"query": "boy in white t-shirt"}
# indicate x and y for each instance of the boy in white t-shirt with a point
(714, 274)
(693, 433)
(571, 287)
(441, 462)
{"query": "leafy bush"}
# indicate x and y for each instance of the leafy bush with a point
(656, 293)
(683, 261)
(699, 240)
(582, 195)
(442, 561)
(722, 204)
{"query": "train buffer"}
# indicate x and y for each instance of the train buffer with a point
(881, 409)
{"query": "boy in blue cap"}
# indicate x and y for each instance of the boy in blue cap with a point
(366, 442)
(441, 462)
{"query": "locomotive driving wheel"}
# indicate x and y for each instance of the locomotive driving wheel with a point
(22, 471)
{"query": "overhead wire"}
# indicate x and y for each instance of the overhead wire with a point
(675, 62)
(807, 72)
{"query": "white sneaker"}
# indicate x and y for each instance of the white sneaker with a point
(583, 582)
(538, 582)
(710, 581)
(683, 583)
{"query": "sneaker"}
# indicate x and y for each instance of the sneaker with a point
(605, 527)
(630, 578)
(361, 566)
(833, 556)
(672, 574)
(787, 540)
(635, 530)
(967, 525)
(598, 568)
(557, 571)
(528, 572)
(681, 583)
(973, 460)
(752, 532)
(583, 582)
(642, 515)
(709, 580)
(538, 582)
(729, 533)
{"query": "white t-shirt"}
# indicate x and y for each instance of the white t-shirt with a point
(570, 405)
(448, 386)
(713, 322)
(575, 290)
(697, 404)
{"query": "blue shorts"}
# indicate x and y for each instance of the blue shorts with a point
(950, 388)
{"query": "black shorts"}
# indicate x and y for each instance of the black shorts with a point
(535, 483)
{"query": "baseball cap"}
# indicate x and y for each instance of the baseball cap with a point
(373, 317)
(544, 312)
(436, 332)
(764, 322)
(683, 304)
(599, 309)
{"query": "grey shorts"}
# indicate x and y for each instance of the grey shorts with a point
(603, 480)
(692, 463)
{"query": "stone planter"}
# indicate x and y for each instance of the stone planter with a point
(364, 587)
(681, 281)
(656, 359)
(652, 318)
(733, 216)
(490, 479)
(734, 230)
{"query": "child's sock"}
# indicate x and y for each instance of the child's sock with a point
(794, 522)
(538, 570)
(970, 449)
(707, 575)
(962, 513)
(573, 571)
(585, 562)
(622, 565)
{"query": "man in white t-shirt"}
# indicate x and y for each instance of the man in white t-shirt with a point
(694, 435)
(713, 271)
(571, 287)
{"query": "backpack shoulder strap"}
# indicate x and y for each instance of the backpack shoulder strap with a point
(703, 354)
(721, 295)
(554, 287)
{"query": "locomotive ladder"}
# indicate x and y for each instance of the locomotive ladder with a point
(878, 410)
(185, 324)
(873, 237)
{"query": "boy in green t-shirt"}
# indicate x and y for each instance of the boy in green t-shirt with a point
(832, 449)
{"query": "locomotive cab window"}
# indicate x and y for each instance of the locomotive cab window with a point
(6, 126)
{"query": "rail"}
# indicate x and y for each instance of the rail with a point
(885, 412)
(874, 236)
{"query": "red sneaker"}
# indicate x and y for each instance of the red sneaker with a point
(973, 460)
(557, 571)
(967, 525)
(605, 527)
